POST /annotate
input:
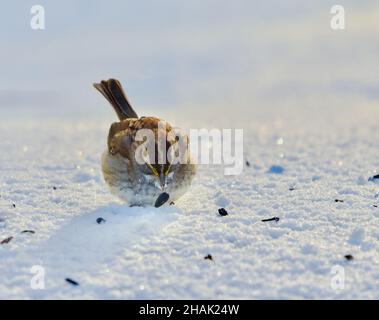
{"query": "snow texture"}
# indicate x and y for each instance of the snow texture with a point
(51, 183)
(305, 95)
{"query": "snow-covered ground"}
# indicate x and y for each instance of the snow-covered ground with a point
(305, 95)
(50, 171)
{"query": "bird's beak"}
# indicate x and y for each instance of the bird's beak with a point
(162, 180)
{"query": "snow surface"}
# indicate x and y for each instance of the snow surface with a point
(50, 171)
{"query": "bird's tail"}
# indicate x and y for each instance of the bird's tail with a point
(112, 90)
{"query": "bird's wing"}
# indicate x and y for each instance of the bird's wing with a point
(122, 134)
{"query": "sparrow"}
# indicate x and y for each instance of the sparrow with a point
(133, 171)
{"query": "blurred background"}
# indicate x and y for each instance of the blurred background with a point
(214, 61)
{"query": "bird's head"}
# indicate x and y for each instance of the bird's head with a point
(161, 162)
(158, 171)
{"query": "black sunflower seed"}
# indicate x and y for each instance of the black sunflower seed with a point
(373, 178)
(72, 282)
(162, 199)
(100, 220)
(208, 257)
(7, 240)
(222, 212)
(276, 219)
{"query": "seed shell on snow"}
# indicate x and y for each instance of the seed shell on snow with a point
(100, 220)
(162, 199)
(6, 240)
(28, 231)
(222, 212)
(276, 219)
(208, 257)
(72, 282)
